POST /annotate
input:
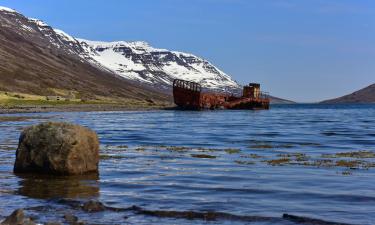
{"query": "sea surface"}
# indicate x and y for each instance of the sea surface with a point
(315, 161)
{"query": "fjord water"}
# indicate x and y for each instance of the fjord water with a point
(223, 161)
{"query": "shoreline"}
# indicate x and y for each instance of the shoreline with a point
(78, 108)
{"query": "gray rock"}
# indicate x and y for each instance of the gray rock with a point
(17, 218)
(53, 223)
(93, 206)
(70, 218)
(58, 149)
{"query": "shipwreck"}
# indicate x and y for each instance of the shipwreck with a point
(190, 96)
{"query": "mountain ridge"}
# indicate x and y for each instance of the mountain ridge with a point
(139, 61)
(364, 95)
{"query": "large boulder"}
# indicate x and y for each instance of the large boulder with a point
(57, 148)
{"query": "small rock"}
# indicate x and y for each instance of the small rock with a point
(17, 218)
(93, 206)
(53, 223)
(58, 149)
(70, 218)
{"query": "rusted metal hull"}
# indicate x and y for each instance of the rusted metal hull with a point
(188, 95)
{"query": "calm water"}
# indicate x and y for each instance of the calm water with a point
(250, 163)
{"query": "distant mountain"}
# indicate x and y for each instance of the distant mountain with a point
(37, 59)
(365, 95)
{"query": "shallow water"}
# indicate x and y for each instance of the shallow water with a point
(223, 161)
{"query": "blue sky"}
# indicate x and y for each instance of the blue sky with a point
(305, 50)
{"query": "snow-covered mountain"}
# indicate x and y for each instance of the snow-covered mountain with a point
(158, 67)
(135, 61)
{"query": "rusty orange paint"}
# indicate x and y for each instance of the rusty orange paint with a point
(189, 95)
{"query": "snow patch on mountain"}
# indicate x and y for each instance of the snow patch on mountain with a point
(6, 9)
(64, 35)
(141, 62)
(38, 22)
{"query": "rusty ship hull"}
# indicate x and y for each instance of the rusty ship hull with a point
(189, 95)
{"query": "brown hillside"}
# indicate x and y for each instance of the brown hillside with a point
(365, 95)
(29, 63)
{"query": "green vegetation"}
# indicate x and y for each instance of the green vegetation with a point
(70, 98)
(349, 163)
(278, 162)
(319, 163)
(296, 156)
(244, 162)
(232, 150)
(122, 146)
(140, 149)
(107, 157)
(203, 156)
(177, 148)
(348, 160)
(358, 154)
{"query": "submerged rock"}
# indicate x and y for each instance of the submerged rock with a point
(52, 223)
(72, 219)
(93, 206)
(57, 148)
(17, 218)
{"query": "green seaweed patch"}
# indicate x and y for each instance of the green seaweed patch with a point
(320, 163)
(232, 150)
(241, 162)
(203, 156)
(355, 154)
(350, 163)
(122, 146)
(278, 162)
(178, 148)
(108, 157)
(140, 149)
(297, 156)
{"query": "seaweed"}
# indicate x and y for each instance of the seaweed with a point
(278, 162)
(232, 150)
(177, 148)
(244, 162)
(203, 156)
(107, 157)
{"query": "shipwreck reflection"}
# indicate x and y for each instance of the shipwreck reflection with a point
(47, 187)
